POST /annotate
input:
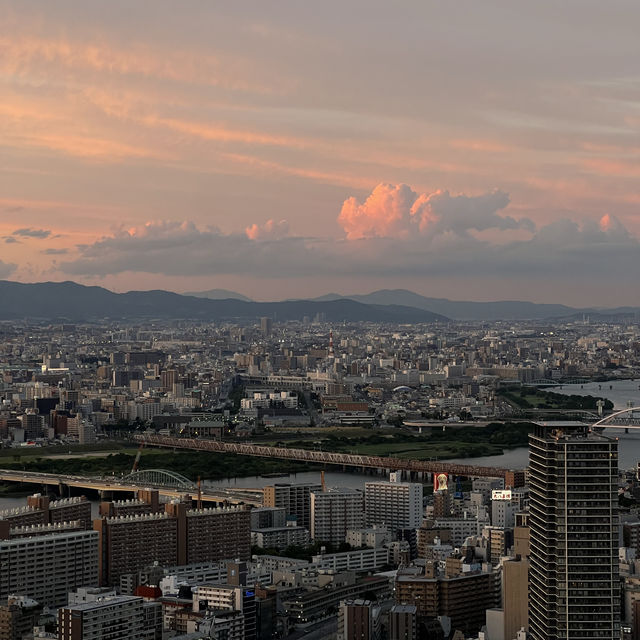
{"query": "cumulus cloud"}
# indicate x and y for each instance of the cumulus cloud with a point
(55, 252)
(461, 213)
(397, 211)
(598, 249)
(32, 233)
(394, 232)
(11, 240)
(611, 226)
(270, 230)
(387, 212)
(181, 248)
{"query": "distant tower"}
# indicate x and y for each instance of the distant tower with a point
(331, 352)
(266, 326)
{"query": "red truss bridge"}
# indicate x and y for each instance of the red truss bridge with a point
(323, 457)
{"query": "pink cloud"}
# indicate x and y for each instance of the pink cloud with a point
(388, 212)
(611, 225)
(270, 230)
(397, 211)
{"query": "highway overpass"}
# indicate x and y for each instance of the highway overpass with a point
(112, 484)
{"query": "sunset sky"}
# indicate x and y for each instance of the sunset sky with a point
(470, 150)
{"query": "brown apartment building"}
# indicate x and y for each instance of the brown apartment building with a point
(464, 597)
(41, 510)
(178, 536)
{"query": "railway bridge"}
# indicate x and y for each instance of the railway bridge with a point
(323, 457)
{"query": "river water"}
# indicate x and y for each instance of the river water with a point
(620, 393)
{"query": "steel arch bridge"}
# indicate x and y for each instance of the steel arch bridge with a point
(160, 478)
(632, 421)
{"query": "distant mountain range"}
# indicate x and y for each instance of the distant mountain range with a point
(218, 294)
(460, 310)
(75, 302)
(72, 301)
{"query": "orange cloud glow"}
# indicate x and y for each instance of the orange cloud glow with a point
(389, 211)
(27, 56)
(615, 168)
(270, 230)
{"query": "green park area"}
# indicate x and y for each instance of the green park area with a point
(532, 398)
(192, 464)
(456, 441)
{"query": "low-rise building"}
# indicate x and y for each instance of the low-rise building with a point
(359, 560)
(280, 537)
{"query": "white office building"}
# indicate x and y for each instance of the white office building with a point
(358, 560)
(396, 505)
(503, 513)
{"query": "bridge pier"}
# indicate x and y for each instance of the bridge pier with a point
(106, 495)
(62, 489)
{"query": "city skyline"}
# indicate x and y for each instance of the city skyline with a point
(479, 152)
(274, 478)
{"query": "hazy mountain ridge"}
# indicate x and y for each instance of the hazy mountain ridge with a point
(72, 301)
(217, 294)
(470, 310)
(69, 300)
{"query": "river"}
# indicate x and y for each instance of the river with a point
(629, 452)
(620, 393)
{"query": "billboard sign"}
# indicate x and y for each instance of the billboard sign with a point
(501, 494)
(440, 481)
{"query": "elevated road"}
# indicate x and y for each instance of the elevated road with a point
(237, 496)
(323, 457)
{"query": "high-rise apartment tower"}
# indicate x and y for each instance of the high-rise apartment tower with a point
(574, 588)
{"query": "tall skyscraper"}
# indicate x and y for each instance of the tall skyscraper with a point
(574, 589)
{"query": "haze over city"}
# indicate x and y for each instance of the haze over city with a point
(467, 150)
